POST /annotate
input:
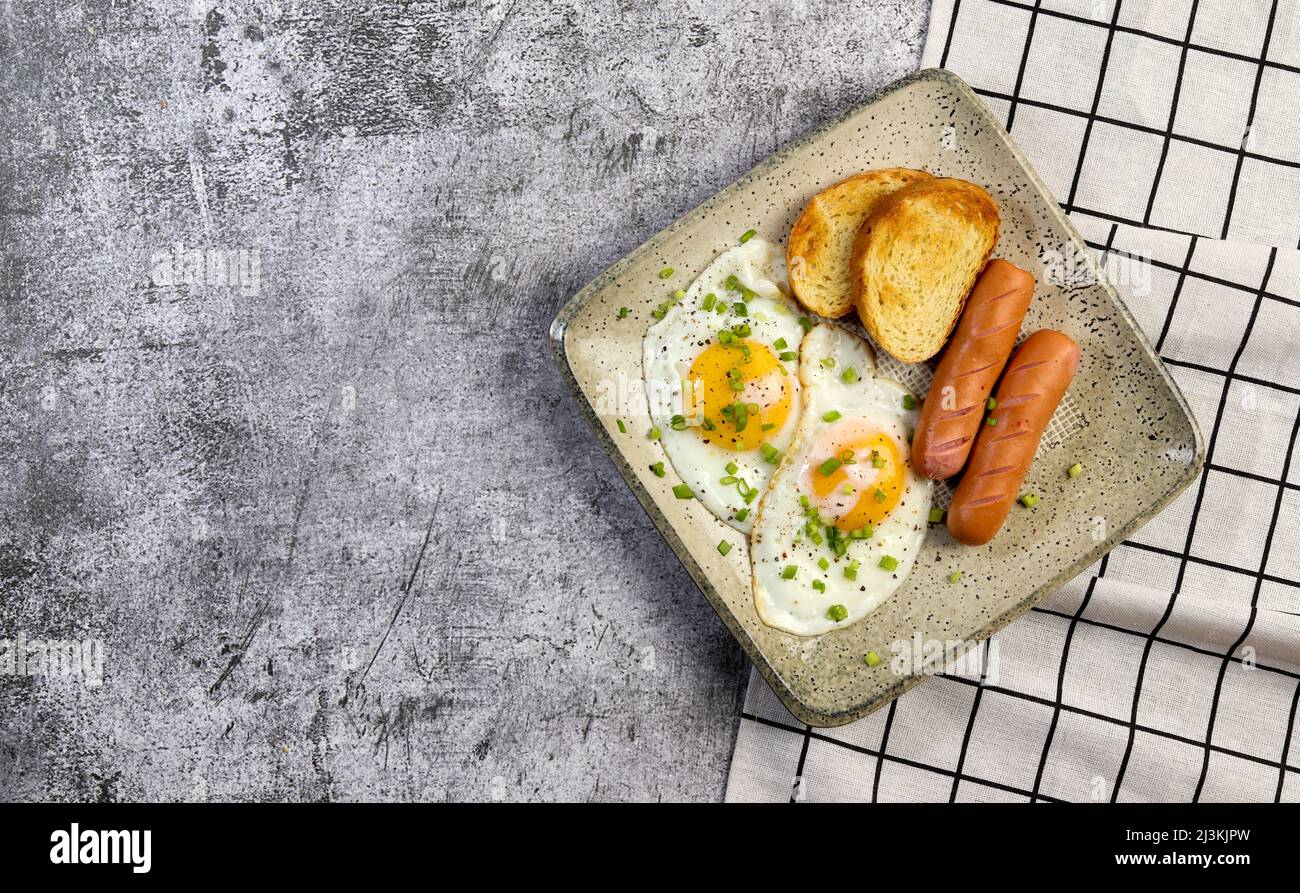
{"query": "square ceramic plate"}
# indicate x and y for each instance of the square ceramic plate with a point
(1124, 417)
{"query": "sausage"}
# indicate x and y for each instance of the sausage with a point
(1034, 383)
(953, 410)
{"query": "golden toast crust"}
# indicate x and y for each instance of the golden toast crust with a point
(819, 250)
(915, 260)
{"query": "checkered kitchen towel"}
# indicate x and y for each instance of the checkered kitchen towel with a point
(1170, 671)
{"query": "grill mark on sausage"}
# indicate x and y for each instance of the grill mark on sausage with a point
(956, 413)
(949, 445)
(1011, 323)
(1010, 436)
(975, 371)
(1018, 400)
(1034, 365)
(1006, 294)
(994, 472)
(984, 500)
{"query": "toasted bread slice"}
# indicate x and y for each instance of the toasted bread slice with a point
(915, 260)
(821, 241)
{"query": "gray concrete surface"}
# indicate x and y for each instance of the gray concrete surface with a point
(330, 510)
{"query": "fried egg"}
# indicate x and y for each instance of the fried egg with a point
(721, 375)
(845, 515)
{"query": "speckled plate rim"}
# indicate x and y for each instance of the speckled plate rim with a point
(803, 712)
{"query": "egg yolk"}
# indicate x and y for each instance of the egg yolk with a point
(864, 489)
(743, 393)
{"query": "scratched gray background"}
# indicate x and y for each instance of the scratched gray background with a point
(345, 535)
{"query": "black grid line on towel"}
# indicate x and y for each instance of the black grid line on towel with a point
(1024, 62)
(1173, 114)
(1092, 113)
(1286, 742)
(884, 745)
(1250, 118)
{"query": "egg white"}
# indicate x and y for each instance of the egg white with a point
(671, 346)
(779, 540)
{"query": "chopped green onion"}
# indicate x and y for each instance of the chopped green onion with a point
(819, 585)
(677, 423)
(721, 308)
(936, 515)
(1075, 470)
(879, 495)
(862, 533)
(767, 426)
(732, 282)
(837, 613)
(828, 362)
(622, 313)
(658, 469)
(823, 564)
(872, 659)
(708, 424)
(806, 324)
(658, 314)
(740, 309)
(788, 355)
(832, 416)
(732, 467)
(724, 547)
(829, 467)
(747, 235)
(770, 453)
(622, 429)
(709, 300)
(849, 489)
(728, 480)
(846, 456)
(954, 576)
(835, 541)
(992, 403)
(804, 501)
(742, 330)
(851, 570)
(909, 402)
(889, 562)
(665, 272)
(1029, 500)
(742, 514)
(678, 295)
(877, 460)
(850, 375)
(655, 434)
(740, 412)
(789, 571)
(780, 344)
(683, 491)
(734, 380)
(990, 421)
